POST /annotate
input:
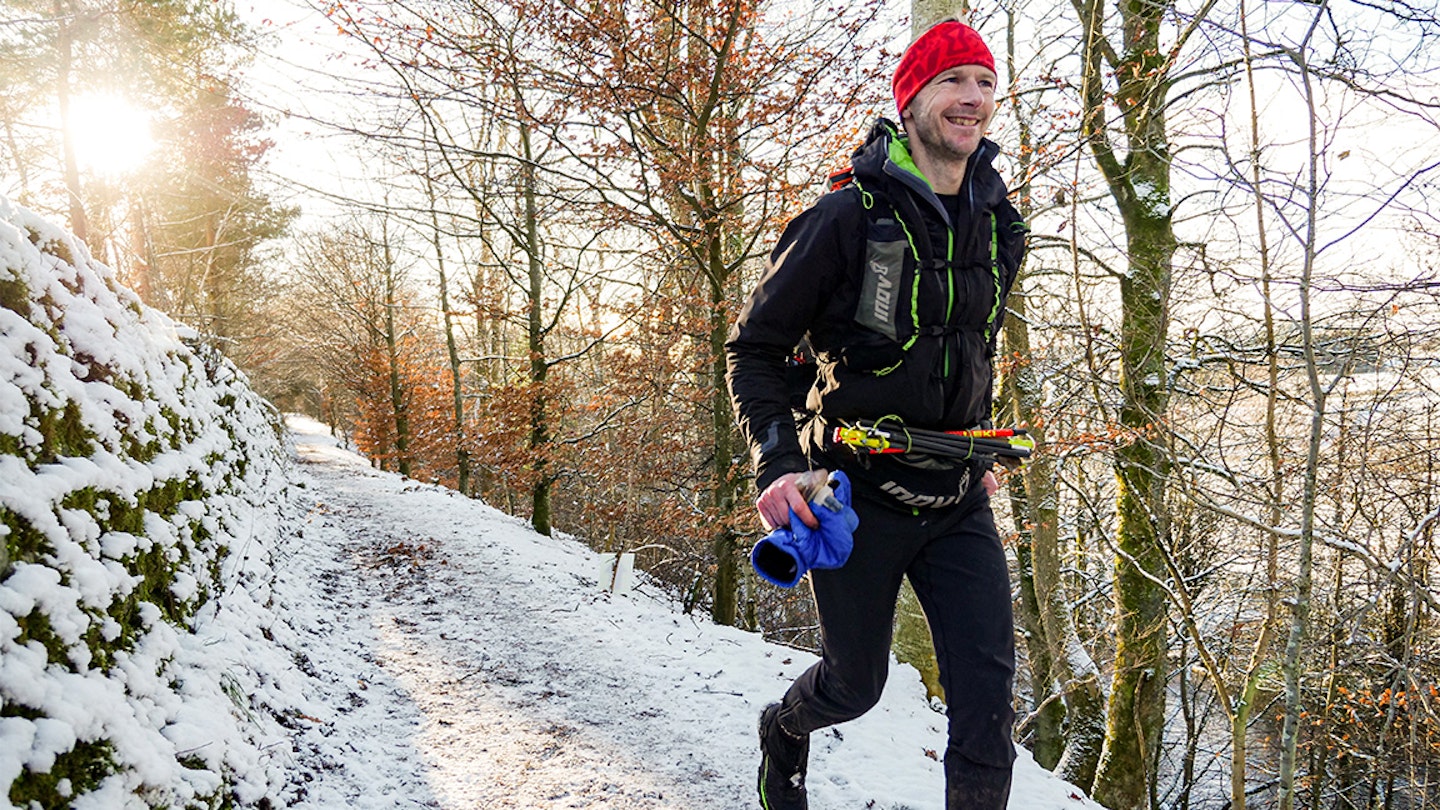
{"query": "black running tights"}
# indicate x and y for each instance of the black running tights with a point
(957, 566)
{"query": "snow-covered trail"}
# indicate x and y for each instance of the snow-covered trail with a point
(514, 705)
(468, 662)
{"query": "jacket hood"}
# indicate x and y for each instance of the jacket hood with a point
(884, 162)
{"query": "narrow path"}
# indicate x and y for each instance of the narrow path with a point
(513, 679)
(467, 662)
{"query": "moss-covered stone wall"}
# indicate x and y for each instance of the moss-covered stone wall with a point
(133, 461)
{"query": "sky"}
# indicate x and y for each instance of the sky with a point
(297, 80)
(1371, 149)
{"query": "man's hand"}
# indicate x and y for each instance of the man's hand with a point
(789, 493)
(990, 482)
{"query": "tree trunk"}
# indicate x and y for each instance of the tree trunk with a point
(722, 447)
(1045, 727)
(716, 160)
(539, 439)
(1140, 186)
(1035, 497)
(1052, 640)
(1136, 712)
(398, 405)
(452, 351)
(1067, 683)
(1250, 680)
(1187, 696)
(79, 223)
(143, 246)
(1292, 665)
(926, 13)
(912, 643)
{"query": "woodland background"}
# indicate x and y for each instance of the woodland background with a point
(1224, 338)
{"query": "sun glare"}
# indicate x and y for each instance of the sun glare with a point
(112, 136)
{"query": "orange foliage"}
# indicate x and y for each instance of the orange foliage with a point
(425, 400)
(1363, 723)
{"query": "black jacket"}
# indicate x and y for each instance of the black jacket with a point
(901, 298)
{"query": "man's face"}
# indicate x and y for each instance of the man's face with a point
(950, 114)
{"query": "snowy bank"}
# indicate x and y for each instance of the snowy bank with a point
(139, 486)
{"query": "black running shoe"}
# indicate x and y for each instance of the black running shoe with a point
(782, 764)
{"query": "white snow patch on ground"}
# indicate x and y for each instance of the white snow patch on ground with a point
(464, 661)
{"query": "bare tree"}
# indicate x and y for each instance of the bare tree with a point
(366, 325)
(703, 135)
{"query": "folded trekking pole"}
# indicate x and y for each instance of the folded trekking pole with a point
(891, 436)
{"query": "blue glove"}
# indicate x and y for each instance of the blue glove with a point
(785, 554)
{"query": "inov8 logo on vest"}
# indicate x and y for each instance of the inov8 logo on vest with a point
(880, 294)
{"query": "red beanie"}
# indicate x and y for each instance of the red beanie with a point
(944, 46)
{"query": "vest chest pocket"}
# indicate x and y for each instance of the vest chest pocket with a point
(882, 292)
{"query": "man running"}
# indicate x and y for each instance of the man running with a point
(897, 280)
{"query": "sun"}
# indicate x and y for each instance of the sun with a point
(111, 135)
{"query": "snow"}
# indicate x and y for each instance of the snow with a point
(474, 663)
(155, 417)
(371, 642)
